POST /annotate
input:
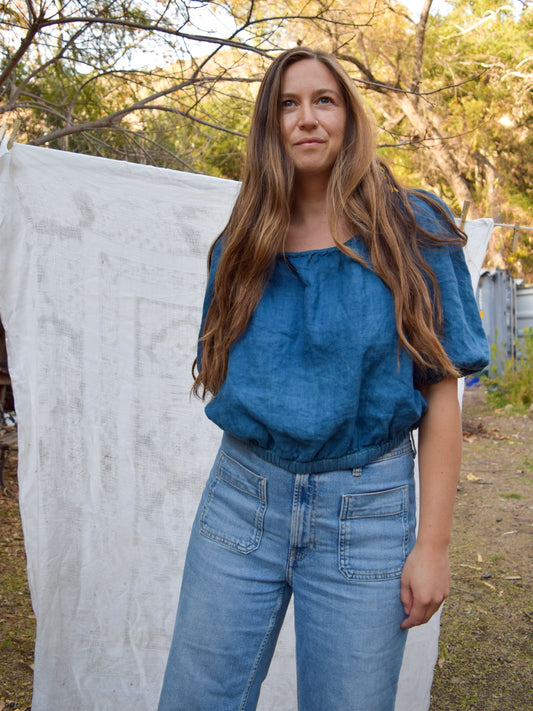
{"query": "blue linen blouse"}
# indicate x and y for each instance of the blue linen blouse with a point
(314, 383)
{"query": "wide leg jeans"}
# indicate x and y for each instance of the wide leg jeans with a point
(337, 541)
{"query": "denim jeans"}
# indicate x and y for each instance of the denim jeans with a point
(337, 541)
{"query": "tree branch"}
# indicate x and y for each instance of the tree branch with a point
(134, 136)
(25, 44)
(149, 27)
(53, 60)
(365, 71)
(110, 121)
(196, 119)
(420, 35)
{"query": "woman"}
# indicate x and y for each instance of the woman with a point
(337, 318)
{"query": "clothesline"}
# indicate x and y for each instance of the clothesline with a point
(466, 204)
(516, 229)
(517, 226)
(113, 258)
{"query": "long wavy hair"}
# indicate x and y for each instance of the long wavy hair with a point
(361, 190)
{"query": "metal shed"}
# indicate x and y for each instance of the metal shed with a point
(506, 310)
(524, 309)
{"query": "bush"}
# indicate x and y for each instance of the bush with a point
(514, 386)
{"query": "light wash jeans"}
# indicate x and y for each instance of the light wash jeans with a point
(337, 541)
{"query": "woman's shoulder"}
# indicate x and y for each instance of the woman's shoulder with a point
(215, 252)
(430, 211)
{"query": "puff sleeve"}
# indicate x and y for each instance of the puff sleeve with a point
(209, 291)
(462, 336)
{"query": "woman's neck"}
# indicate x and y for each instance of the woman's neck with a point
(309, 226)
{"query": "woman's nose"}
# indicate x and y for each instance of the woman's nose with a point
(307, 118)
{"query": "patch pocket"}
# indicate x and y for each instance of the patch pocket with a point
(234, 507)
(374, 534)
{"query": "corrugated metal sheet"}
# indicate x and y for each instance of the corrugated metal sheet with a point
(497, 303)
(524, 309)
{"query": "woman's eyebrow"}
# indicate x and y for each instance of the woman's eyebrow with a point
(316, 92)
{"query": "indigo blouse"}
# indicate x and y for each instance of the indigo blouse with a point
(314, 383)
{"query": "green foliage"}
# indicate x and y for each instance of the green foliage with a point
(476, 94)
(514, 386)
(124, 79)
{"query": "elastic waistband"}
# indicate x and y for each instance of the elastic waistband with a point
(354, 460)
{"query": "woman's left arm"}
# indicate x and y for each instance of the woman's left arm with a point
(426, 573)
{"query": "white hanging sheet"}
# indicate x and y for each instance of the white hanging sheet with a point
(102, 274)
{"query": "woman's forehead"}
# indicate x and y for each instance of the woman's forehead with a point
(308, 74)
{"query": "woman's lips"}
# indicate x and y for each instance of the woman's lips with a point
(306, 141)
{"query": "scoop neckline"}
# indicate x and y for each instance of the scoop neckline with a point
(321, 250)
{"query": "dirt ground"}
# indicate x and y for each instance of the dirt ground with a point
(486, 646)
(17, 622)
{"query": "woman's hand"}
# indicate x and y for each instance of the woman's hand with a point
(425, 583)
(426, 573)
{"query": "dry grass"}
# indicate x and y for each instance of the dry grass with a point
(486, 649)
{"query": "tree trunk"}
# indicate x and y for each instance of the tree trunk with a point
(440, 150)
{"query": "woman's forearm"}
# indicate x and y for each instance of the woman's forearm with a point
(439, 461)
(426, 574)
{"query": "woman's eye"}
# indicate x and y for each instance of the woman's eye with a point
(324, 100)
(287, 104)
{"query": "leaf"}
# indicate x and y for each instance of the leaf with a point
(472, 477)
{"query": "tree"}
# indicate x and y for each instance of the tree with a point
(434, 87)
(456, 92)
(84, 74)
(172, 83)
(67, 69)
(71, 71)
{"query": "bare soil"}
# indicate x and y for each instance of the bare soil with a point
(486, 645)
(17, 621)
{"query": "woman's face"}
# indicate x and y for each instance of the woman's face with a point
(312, 117)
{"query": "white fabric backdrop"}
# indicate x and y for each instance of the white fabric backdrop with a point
(102, 273)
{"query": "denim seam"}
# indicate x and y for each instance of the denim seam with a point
(295, 507)
(261, 650)
(405, 525)
(253, 541)
(344, 546)
(259, 493)
(397, 452)
(297, 553)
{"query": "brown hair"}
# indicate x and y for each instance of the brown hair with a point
(362, 189)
